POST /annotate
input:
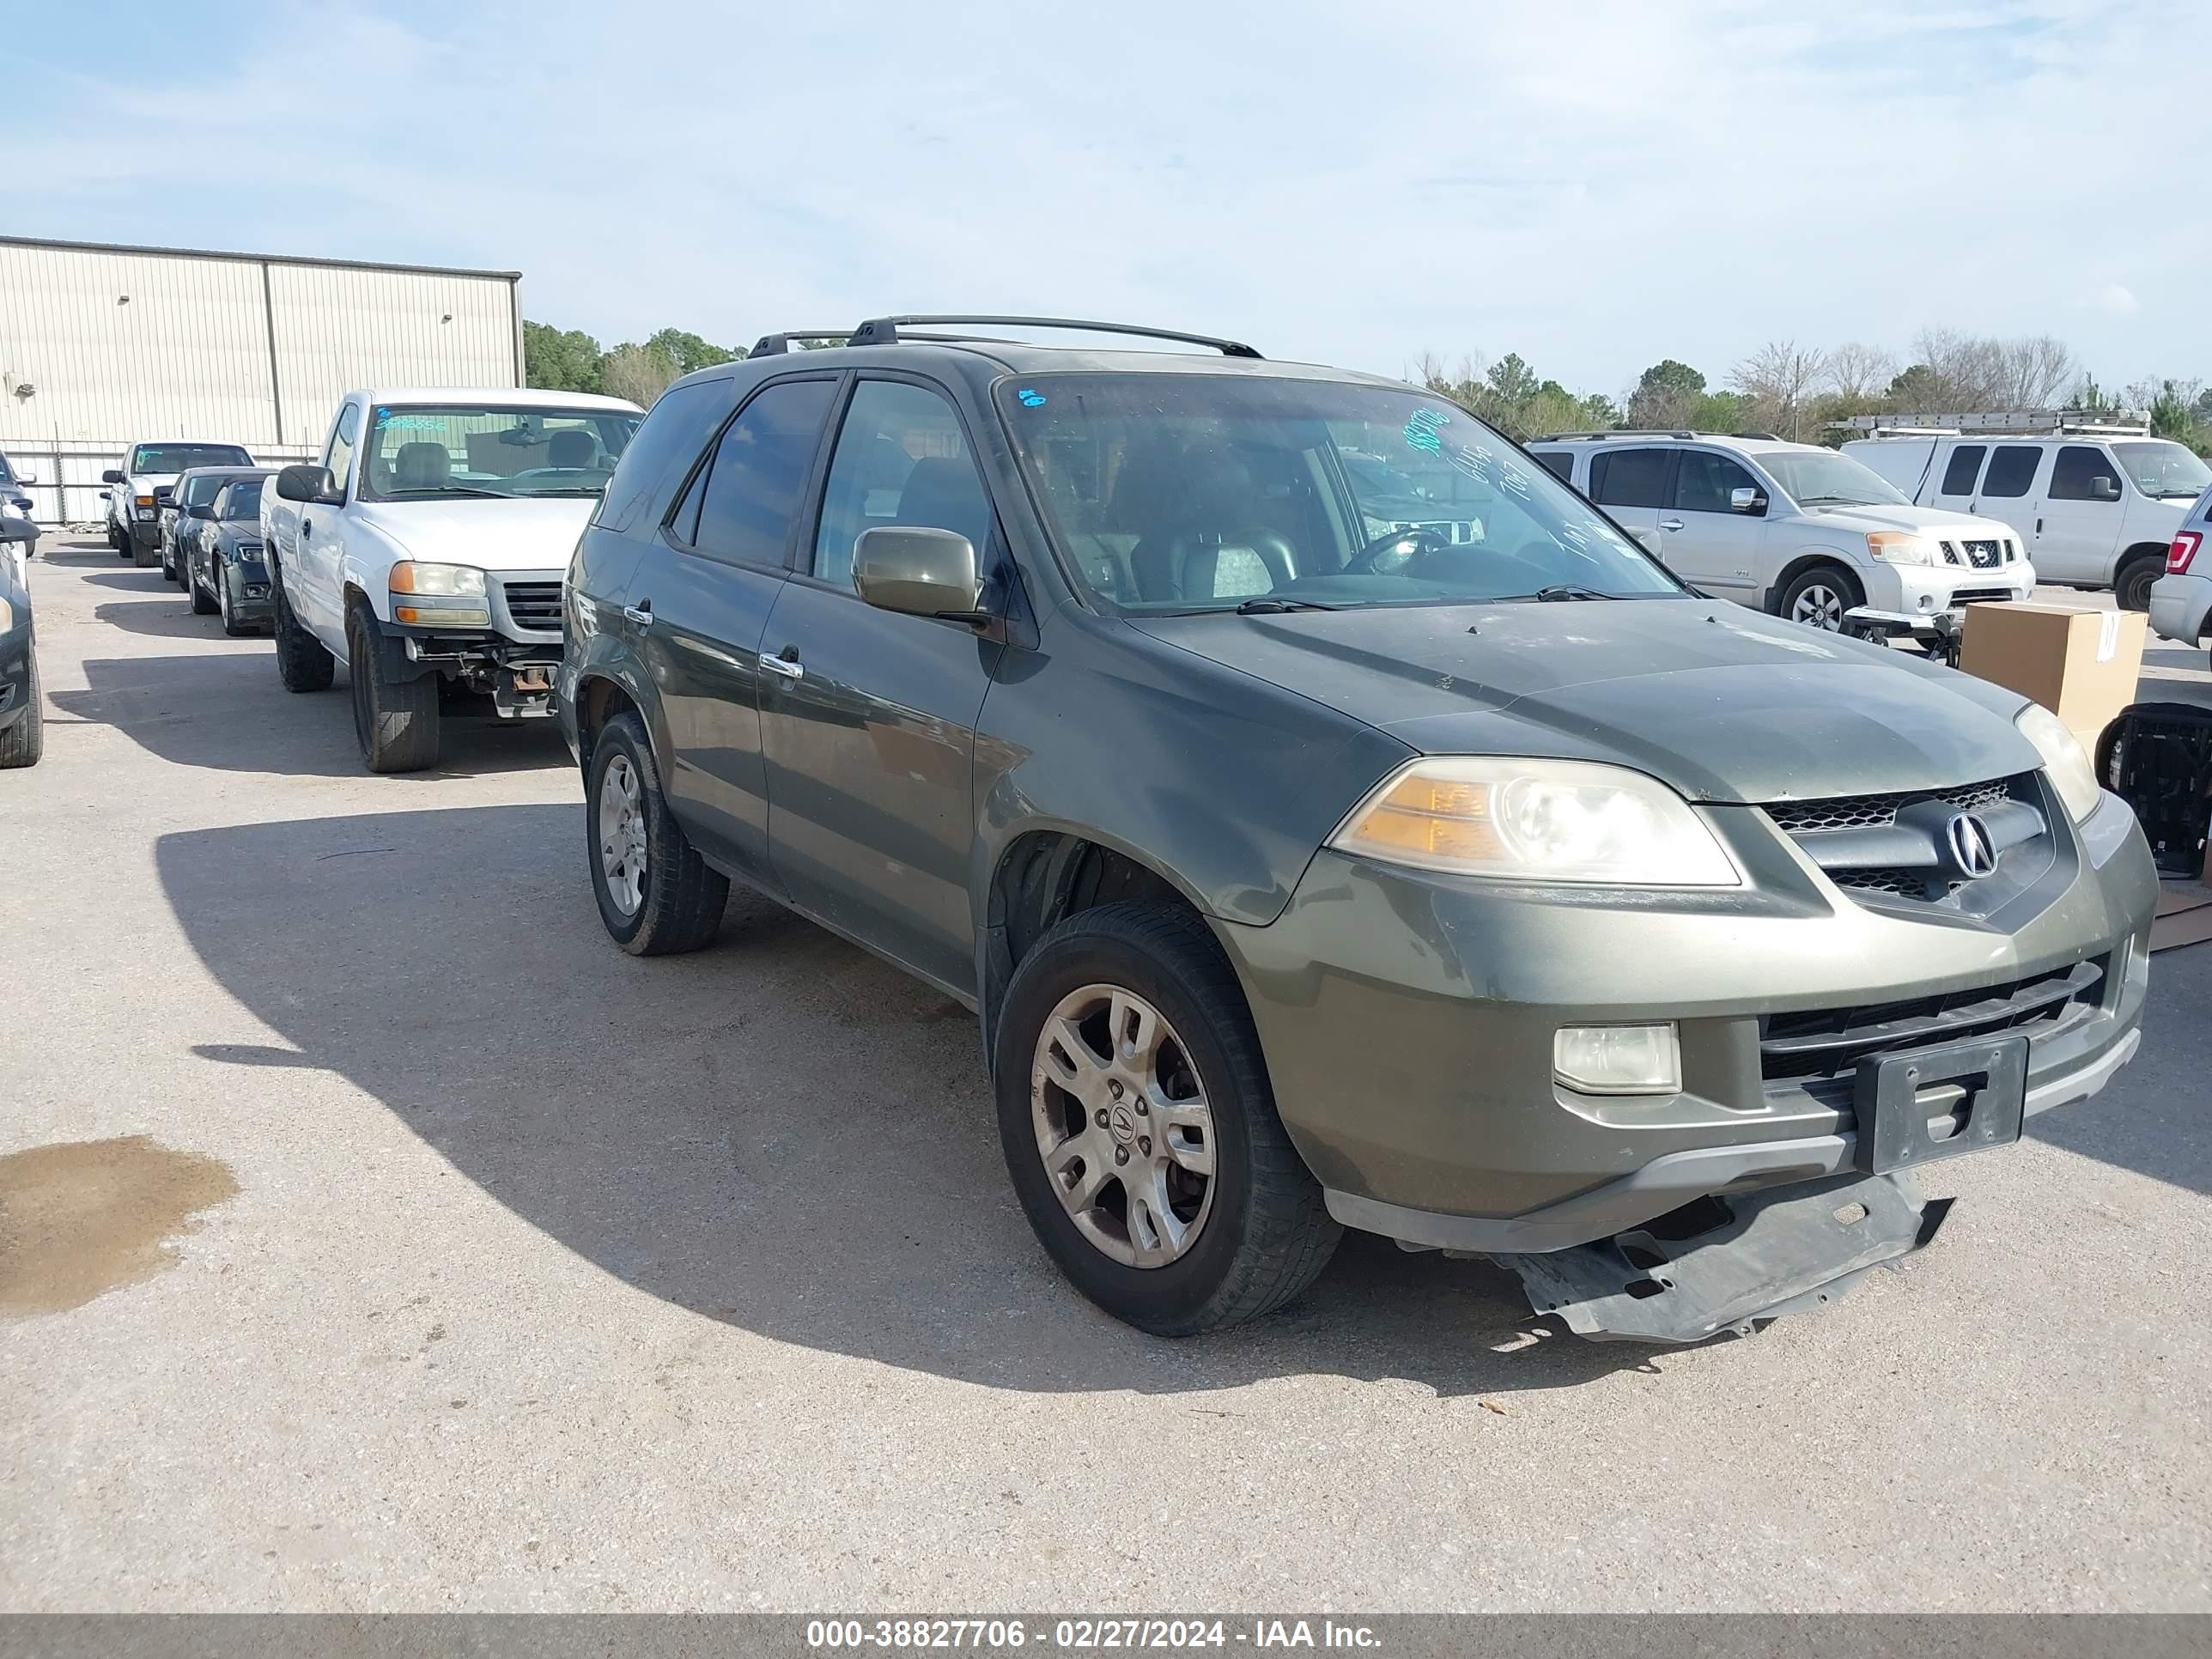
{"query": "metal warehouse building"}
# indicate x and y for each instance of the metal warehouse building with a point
(101, 346)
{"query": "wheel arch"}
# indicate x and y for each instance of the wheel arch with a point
(1799, 562)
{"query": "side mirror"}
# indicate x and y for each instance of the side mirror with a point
(922, 573)
(200, 510)
(25, 479)
(308, 483)
(1753, 501)
(2103, 488)
(111, 477)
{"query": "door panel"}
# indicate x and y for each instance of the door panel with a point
(869, 728)
(319, 546)
(2080, 528)
(2011, 490)
(1707, 542)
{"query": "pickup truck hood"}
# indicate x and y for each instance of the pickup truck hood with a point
(1724, 703)
(506, 535)
(1934, 520)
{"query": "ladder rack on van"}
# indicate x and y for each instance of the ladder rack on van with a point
(2056, 422)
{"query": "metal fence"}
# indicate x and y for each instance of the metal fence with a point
(69, 490)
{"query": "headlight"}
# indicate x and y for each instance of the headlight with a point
(2070, 770)
(6, 616)
(1537, 820)
(437, 581)
(1894, 547)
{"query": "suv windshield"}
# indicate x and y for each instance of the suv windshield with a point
(182, 457)
(1198, 492)
(415, 454)
(2164, 469)
(244, 502)
(1821, 477)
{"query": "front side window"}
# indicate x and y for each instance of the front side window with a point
(183, 458)
(902, 458)
(458, 451)
(1965, 466)
(2012, 470)
(1184, 493)
(2164, 470)
(1704, 482)
(1821, 478)
(242, 501)
(2082, 473)
(741, 507)
(1629, 477)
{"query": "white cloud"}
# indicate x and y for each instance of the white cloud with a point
(2116, 301)
(1593, 186)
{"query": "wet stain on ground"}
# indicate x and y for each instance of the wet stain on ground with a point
(83, 1218)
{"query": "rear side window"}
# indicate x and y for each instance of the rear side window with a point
(1705, 481)
(1965, 467)
(666, 446)
(1629, 477)
(2079, 472)
(759, 469)
(2012, 470)
(1558, 463)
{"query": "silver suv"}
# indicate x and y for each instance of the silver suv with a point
(1793, 529)
(2181, 599)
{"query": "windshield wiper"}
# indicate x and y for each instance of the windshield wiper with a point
(1267, 604)
(448, 490)
(1558, 591)
(1841, 500)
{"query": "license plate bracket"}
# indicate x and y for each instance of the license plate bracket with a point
(1924, 1105)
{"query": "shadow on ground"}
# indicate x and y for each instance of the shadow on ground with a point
(780, 1133)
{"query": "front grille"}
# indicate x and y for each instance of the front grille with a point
(1796, 817)
(1825, 1040)
(1900, 882)
(1984, 556)
(535, 605)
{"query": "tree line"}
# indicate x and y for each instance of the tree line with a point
(1792, 390)
(1800, 392)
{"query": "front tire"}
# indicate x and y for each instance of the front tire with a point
(1140, 1130)
(21, 744)
(302, 662)
(1819, 596)
(656, 895)
(202, 603)
(143, 557)
(232, 627)
(2133, 584)
(394, 718)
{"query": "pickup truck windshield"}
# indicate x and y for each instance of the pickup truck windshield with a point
(2163, 469)
(1819, 479)
(1189, 492)
(415, 454)
(157, 459)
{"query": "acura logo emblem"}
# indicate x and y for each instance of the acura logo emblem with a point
(1973, 852)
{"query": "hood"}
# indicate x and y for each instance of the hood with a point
(504, 535)
(1724, 703)
(1934, 519)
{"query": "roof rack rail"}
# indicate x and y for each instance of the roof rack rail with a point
(885, 331)
(1614, 432)
(1763, 437)
(774, 345)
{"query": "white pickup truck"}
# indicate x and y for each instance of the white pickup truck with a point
(138, 490)
(427, 549)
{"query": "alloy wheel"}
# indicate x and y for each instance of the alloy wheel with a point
(1818, 606)
(621, 834)
(1123, 1126)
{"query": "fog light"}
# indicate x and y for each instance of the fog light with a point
(1618, 1060)
(1927, 601)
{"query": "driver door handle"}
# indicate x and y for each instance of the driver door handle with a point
(1670, 523)
(787, 664)
(306, 528)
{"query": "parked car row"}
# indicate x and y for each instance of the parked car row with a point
(1335, 815)
(214, 550)
(139, 491)
(23, 714)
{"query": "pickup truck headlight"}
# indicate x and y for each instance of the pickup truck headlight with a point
(1537, 820)
(1895, 547)
(2069, 768)
(456, 593)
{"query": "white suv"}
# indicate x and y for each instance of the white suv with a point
(1802, 532)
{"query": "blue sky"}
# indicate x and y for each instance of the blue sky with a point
(1595, 186)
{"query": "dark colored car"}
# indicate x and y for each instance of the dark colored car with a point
(1474, 883)
(22, 715)
(195, 486)
(225, 571)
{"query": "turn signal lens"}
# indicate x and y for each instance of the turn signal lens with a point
(2064, 761)
(1537, 820)
(2182, 550)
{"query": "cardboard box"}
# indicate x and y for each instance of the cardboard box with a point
(2082, 665)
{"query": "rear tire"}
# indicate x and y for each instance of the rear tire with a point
(302, 663)
(1819, 595)
(21, 744)
(656, 895)
(2131, 587)
(394, 718)
(1258, 1232)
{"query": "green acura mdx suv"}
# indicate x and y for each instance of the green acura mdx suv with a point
(1334, 820)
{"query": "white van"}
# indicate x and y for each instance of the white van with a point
(2092, 510)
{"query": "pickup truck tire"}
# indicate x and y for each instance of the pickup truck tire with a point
(1819, 595)
(203, 603)
(21, 744)
(302, 663)
(395, 715)
(2132, 586)
(657, 896)
(145, 557)
(1259, 1232)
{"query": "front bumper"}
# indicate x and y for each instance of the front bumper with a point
(251, 599)
(2180, 606)
(1932, 599)
(1408, 1023)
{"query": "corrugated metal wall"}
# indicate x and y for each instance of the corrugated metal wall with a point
(102, 347)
